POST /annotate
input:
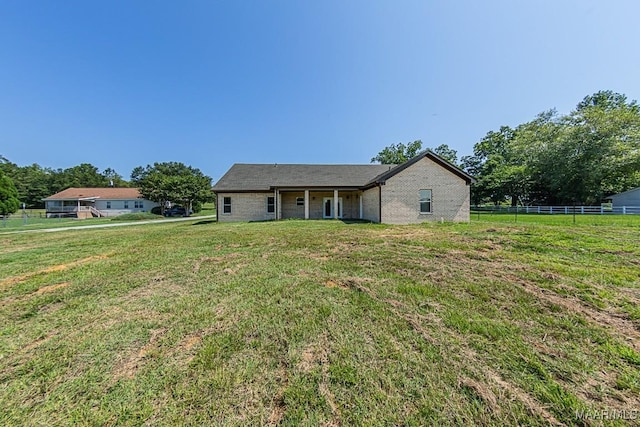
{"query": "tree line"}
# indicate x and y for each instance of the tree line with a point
(580, 157)
(164, 183)
(577, 158)
(34, 182)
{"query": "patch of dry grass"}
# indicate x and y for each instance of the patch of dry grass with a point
(320, 323)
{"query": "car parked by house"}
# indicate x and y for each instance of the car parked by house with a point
(176, 211)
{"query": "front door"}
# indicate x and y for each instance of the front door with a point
(327, 207)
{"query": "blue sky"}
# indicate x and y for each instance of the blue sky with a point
(122, 84)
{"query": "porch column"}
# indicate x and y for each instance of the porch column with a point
(306, 204)
(360, 200)
(279, 201)
(335, 204)
(275, 204)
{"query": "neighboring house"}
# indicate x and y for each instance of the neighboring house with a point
(426, 188)
(627, 198)
(96, 202)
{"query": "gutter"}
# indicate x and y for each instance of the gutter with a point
(380, 203)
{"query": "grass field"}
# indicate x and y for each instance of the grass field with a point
(36, 219)
(321, 323)
(558, 219)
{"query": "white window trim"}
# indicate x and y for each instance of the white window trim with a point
(224, 204)
(273, 205)
(333, 207)
(420, 202)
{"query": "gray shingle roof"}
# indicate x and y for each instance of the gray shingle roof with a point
(263, 177)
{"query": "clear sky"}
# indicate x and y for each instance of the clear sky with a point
(210, 83)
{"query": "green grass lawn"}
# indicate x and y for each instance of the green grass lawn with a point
(320, 323)
(36, 220)
(17, 223)
(558, 219)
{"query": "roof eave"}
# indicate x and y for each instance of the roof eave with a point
(381, 179)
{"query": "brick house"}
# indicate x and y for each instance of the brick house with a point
(425, 188)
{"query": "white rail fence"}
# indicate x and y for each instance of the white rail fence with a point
(562, 210)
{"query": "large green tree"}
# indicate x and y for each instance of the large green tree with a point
(600, 149)
(396, 154)
(579, 158)
(447, 153)
(84, 175)
(9, 202)
(497, 168)
(30, 181)
(173, 182)
(113, 178)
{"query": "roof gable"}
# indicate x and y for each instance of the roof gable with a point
(243, 177)
(431, 155)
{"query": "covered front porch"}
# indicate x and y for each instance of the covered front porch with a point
(343, 203)
(78, 208)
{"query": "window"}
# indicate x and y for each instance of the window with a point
(108, 205)
(271, 204)
(126, 204)
(425, 201)
(138, 204)
(300, 201)
(226, 205)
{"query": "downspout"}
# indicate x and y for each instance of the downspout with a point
(380, 203)
(217, 207)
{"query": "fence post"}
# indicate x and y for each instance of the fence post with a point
(582, 210)
(624, 210)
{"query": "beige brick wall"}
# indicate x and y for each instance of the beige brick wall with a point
(315, 204)
(400, 195)
(399, 199)
(350, 204)
(371, 204)
(290, 208)
(253, 206)
(244, 207)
